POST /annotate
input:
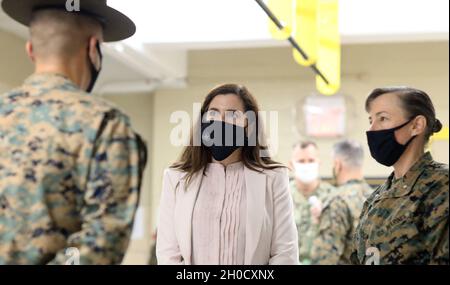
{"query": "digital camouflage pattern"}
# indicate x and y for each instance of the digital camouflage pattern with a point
(338, 221)
(70, 175)
(405, 221)
(307, 230)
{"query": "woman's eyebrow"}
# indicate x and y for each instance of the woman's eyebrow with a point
(379, 113)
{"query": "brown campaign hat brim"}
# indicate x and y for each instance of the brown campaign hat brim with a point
(116, 26)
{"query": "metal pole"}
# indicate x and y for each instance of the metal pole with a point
(291, 39)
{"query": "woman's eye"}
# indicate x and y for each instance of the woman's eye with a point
(232, 115)
(212, 113)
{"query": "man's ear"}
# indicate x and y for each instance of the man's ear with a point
(93, 52)
(419, 125)
(337, 165)
(29, 50)
(290, 165)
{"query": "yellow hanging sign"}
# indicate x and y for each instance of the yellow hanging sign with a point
(305, 32)
(315, 27)
(329, 47)
(282, 9)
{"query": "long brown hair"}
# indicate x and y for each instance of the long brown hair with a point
(195, 158)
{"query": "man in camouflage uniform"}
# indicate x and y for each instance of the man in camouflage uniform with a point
(340, 214)
(308, 193)
(410, 222)
(70, 163)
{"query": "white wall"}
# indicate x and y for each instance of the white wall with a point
(14, 64)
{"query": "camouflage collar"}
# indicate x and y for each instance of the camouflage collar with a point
(403, 186)
(353, 181)
(299, 198)
(51, 81)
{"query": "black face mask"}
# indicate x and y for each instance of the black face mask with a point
(222, 138)
(94, 71)
(384, 148)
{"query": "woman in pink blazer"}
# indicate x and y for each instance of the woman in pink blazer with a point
(225, 202)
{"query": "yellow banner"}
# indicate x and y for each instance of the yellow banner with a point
(305, 32)
(329, 47)
(314, 25)
(283, 10)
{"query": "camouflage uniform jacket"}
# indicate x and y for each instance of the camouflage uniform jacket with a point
(338, 221)
(405, 221)
(307, 230)
(70, 175)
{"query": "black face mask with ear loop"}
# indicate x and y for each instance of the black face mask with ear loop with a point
(384, 147)
(94, 71)
(231, 139)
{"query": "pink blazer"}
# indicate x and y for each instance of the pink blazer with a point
(271, 234)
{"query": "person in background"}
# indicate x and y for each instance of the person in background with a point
(308, 193)
(226, 202)
(340, 215)
(70, 163)
(405, 221)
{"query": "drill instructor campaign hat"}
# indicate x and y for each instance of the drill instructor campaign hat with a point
(116, 26)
